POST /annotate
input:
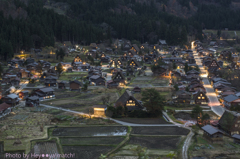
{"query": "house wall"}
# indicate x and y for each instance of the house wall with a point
(74, 86)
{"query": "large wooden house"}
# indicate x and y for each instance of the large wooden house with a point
(119, 78)
(162, 70)
(11, 99)
(231, 101)
(62, 85)
(135, 48)
(15, 82)
(44, 93)
(50, 81)
(182, 97)
(97, 80)
(5, 109)
(104, 58)
(116, 63)
(134, 63)
(23, 73)
(212, 134)
(200, 98)
(77, 59)
(128, 100)
(32, 101)
(230, 122)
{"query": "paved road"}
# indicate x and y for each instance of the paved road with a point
(213, 100)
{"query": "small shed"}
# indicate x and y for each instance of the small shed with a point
(212, 134)
(136, 90)
(98, 110)
(236, 138)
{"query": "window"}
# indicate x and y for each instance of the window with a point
(203, 97)
(199, 97)
(130, 104)
(236, 125)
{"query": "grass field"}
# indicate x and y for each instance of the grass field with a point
(91, 141)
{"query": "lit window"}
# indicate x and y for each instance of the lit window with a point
(203, 97)
(199, 97)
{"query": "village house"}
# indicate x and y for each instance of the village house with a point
(32, 67)
(134, 63)
(213, 66)
(135, 48)
(104, 58)
(44, 93)
(15, 62)
(50, 81)
(11, 99)
(32, 101)
(196, 87)
(162, 42)
(172, 59)
(200, 98)
(193, 72)
(231, 101)
(112, 84)
(23, 73)
(230, 122)
(162, 70)
(15, 82)
(127, 45)
(182, 96)
(119, 78)
(77, 59)
(212, 134)
(75, 85)
(5, 109)
(8, 77)
(130, 71)
(23, 94)
(236, 138)
(45, 75)
(30, 60)
(116, 63)
(93, 46)
(225, 55)
(147, 59)
(81, 66)
(62, 85)
(97, 80)
(128, 100)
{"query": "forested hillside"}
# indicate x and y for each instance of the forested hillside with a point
(26, 24)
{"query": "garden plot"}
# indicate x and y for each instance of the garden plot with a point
(128, 150)
(86, 152)
(144, 120)
(162, 130)
(91, 140)
(201, 147)
(20, 117)
(163, 143)
(91, 131)
(160, 82)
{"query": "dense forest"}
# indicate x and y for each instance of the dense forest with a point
(89, 21)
